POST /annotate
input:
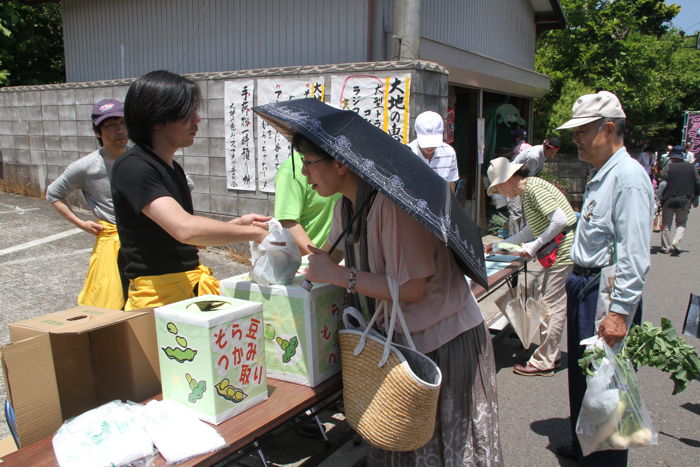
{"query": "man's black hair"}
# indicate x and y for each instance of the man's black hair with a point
(158, 97)
(97, 129)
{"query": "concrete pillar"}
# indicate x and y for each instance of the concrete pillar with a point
(406, 39)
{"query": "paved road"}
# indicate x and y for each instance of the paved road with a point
(43, 262)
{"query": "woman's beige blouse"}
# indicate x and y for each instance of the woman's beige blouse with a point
(399, 246)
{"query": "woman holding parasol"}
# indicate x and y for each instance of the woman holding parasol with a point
(383, 240)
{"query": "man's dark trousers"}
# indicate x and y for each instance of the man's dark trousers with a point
(582, 299)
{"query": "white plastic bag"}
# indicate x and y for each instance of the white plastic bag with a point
(613, 414)
(277, 259)
(111, 434)
(177, 433)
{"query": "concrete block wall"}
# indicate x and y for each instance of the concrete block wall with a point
(45, 128)
(573, 172)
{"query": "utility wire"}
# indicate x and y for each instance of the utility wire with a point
(189, 43)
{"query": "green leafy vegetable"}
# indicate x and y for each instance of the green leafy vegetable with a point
(657, 347)
(497, 222)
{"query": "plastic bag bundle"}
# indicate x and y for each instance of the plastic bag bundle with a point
(613, 414)
(111, 434)
(277, 258)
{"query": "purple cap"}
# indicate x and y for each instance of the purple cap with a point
(106, 108)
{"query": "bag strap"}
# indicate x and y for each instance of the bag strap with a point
(564, 232)
(395, 312)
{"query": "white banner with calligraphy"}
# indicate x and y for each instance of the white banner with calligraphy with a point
(383, 100)
(272, 147)
(238, 129)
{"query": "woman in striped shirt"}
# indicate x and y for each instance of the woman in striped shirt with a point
(547, 214)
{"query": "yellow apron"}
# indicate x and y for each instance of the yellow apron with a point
(103, 286)
(152, 291)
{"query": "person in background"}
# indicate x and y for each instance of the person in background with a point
(440, 156)
(664, 159)
(439, 307)
(614, 228)
(533, 158)
(298, 207)
(103, 285)
(647, 158)
(679, 188)
(547, 214)
(520, 140)
(153, 204)
(689, 156)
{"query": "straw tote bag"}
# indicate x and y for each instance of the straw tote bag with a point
(390, 391)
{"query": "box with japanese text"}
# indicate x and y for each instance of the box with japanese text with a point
(212, 355)
(301, 343)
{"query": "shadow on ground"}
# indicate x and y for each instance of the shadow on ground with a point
(557, 432)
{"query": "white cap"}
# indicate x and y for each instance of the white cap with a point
(500, 170)
(429, 128)
(591, 107)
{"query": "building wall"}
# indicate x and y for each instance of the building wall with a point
(110, 39)
(574, 173)
(45, 128)
(191, 36)
(500, 29)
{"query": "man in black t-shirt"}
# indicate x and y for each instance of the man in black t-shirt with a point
(153, 204)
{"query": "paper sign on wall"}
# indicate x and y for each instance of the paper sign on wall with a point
(382, 100)
(272, 147)
(240, 145)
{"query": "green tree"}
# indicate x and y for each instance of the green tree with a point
(31, 43)
(625, 47)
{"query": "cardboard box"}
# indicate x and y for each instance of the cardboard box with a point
(212, 355)
(62, 364)
(300, 327)
(7, 446)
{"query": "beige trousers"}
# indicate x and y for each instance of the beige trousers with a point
(681, 216)
(553, 293)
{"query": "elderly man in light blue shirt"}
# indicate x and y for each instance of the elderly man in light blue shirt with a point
(615, 228)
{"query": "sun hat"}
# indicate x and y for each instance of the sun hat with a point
(500, 170)
(678, 152)
(429, 128)
(106, 108)
(591, 107)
